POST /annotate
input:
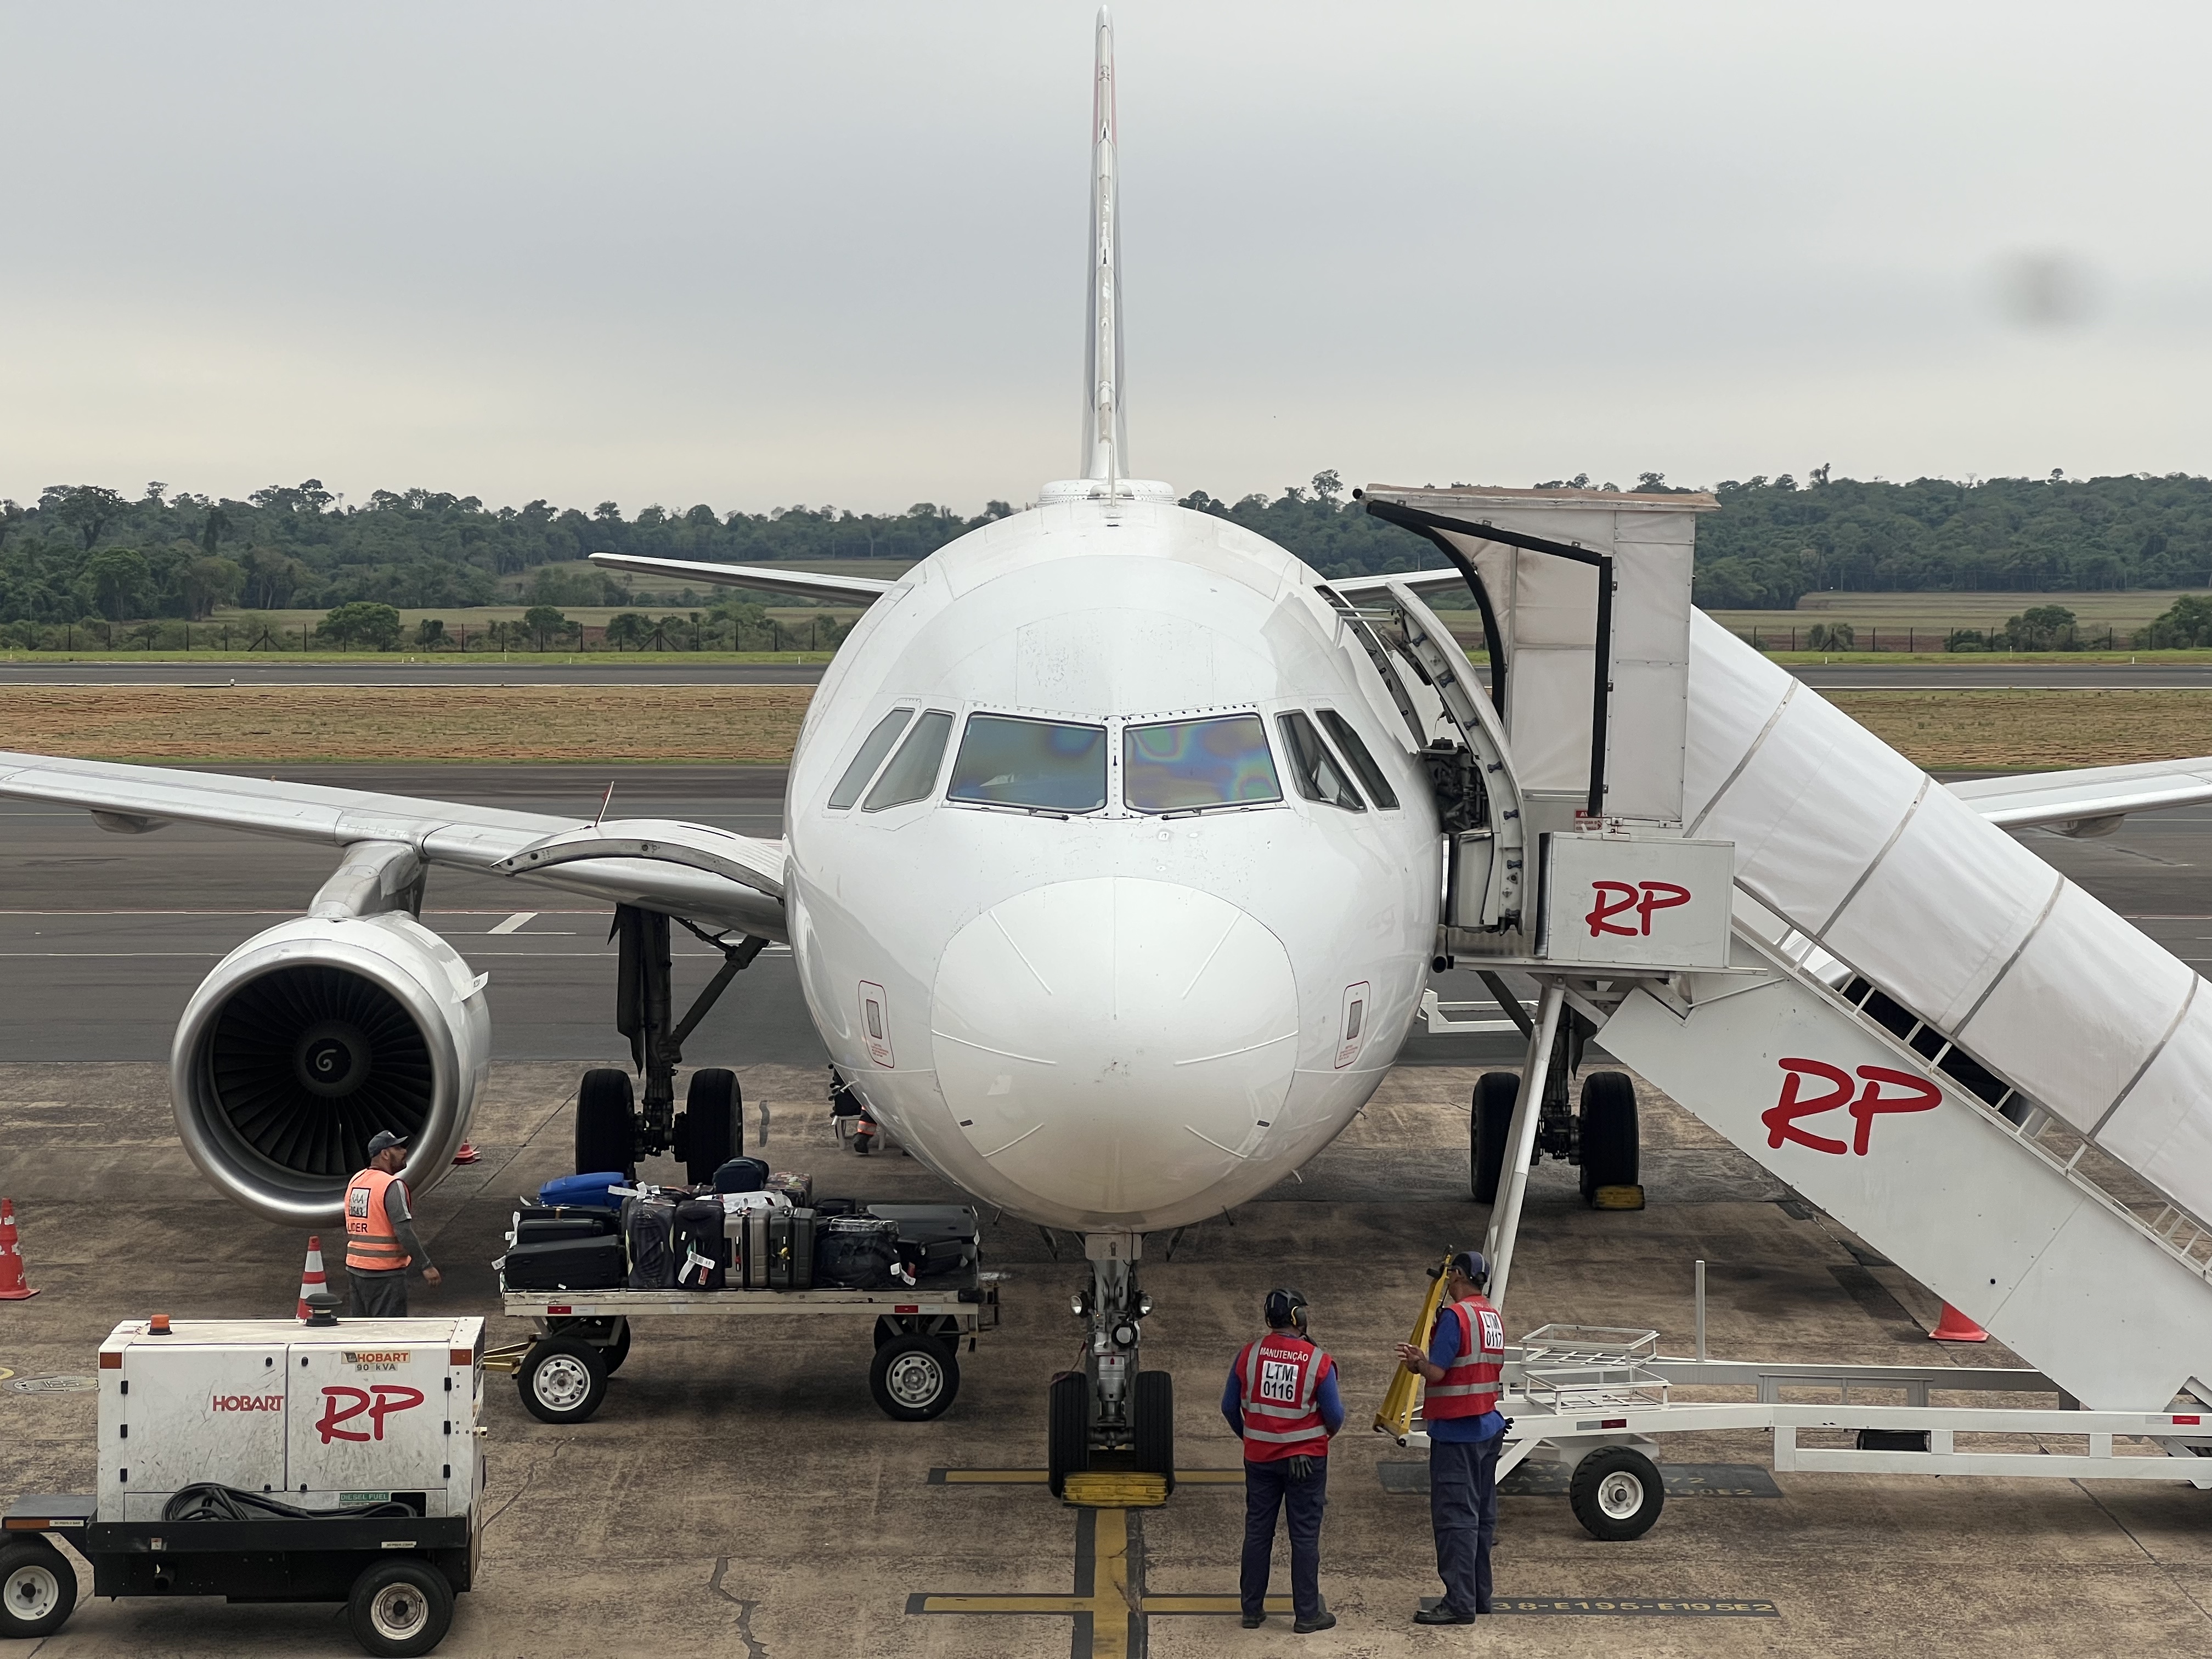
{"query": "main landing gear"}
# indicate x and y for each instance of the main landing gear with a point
(614, 1129)
(1110, 1414)
(1602, 1137)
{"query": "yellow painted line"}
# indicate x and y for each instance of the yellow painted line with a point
(1062, 1605)
(1213, 1604)
(5, 1373)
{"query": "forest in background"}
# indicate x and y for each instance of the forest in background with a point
(86, 551)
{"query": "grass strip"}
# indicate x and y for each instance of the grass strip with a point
(297, 723)
(758, 724)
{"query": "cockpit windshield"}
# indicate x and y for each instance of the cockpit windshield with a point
(1044, 765)
(1183, 766)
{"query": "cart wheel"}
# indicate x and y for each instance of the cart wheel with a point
(713, 1110)
(563, 1380)
(399, 1608)
(913, 1379)
(1608, 1138)
(38, 1588)
(606, 1120)
(1617, 1493)
(1156, 1424)
(1067, 1429)
(1494, 1095)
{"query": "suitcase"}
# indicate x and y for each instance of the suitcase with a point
(649, 1232)
(741, 1175)
(753, 1254)
(935, 1238)
(790, 1249)
(590, 1190)
(701, 1255)
(799, 1188)
(832, 1207)
(856, 1253)
(566, 1264)
(536, 1224)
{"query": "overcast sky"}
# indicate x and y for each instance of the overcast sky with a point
(760, 255)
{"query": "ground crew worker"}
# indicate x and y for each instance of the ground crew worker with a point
(1282, 1400)
(381, 1243)
(1466, 1357)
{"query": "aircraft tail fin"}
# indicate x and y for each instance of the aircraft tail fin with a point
(1105, 433)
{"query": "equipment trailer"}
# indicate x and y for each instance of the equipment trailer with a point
(271, 1460)
(1593, 1399)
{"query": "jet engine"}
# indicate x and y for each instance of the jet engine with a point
(309, 1038)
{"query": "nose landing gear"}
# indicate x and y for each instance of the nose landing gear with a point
(1111, 1414)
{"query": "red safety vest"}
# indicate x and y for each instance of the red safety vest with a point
(1281, 1373)
(1469, 1387)
(370, 1241)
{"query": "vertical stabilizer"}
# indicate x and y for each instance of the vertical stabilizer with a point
(1105, 435)
(1105, 432)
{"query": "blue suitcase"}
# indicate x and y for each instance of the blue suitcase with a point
(585, 1191)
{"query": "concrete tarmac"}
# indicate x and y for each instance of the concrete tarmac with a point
(740, 1493)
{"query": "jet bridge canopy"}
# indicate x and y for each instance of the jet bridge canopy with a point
(1594, 677)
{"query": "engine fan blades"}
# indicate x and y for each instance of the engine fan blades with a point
(308, 1063)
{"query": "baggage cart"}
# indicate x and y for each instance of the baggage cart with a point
(582, 1336)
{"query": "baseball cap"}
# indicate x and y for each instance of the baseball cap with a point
(383, 1139)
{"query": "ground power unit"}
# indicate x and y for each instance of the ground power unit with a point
(272, 1460)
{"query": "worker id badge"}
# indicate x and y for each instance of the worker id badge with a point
(1279, 1382)
(357, 1201)
(1493, 1331)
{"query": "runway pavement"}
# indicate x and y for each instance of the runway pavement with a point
(103, 938)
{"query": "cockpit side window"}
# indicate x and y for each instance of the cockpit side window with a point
(1046, 766)
(1185, 766)
(912, 774)
(873, 748)
(1319, 777)
(1363, 763)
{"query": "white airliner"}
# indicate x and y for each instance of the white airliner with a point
(1112, 876)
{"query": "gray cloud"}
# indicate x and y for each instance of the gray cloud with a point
(762, 254)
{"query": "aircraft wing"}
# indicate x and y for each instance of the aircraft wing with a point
(2090, 801)
(804, 583)
(708, 875)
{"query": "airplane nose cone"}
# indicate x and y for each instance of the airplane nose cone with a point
(1113, 1045)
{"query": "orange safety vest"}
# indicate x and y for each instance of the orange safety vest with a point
(370, 1241)
(1469, 1387)
(1281, 1373)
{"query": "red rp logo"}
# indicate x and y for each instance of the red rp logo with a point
(1867, 1104)
(1612, 897)
(390, 1397)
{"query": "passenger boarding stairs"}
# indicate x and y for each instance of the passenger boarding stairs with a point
(1959, 1055)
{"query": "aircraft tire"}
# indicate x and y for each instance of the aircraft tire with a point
(606, 1118)
(1155, 1425)
(1488, 1130)
(714, 1113)
(1067, 1429)
(1610, 1149)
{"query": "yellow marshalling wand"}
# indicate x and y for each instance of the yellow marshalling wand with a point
(1396, 1418)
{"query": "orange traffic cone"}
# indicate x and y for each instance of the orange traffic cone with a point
(1955, 1326)
(12, 1287)
(468, 1154)
(313, 1281)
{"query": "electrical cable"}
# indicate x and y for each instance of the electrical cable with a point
(212, 1501)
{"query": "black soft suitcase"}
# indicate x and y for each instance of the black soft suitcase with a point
(938, 1238)
(542, 1224)
(741, 1175)
(702, 1257)
(649, 1231)
(854, 1253)
(566, 1264)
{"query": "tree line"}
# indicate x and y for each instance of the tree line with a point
(87, 551)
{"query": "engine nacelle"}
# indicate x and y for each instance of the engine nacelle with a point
(309, 1038)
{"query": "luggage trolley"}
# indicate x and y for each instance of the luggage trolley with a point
(583, 1336)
